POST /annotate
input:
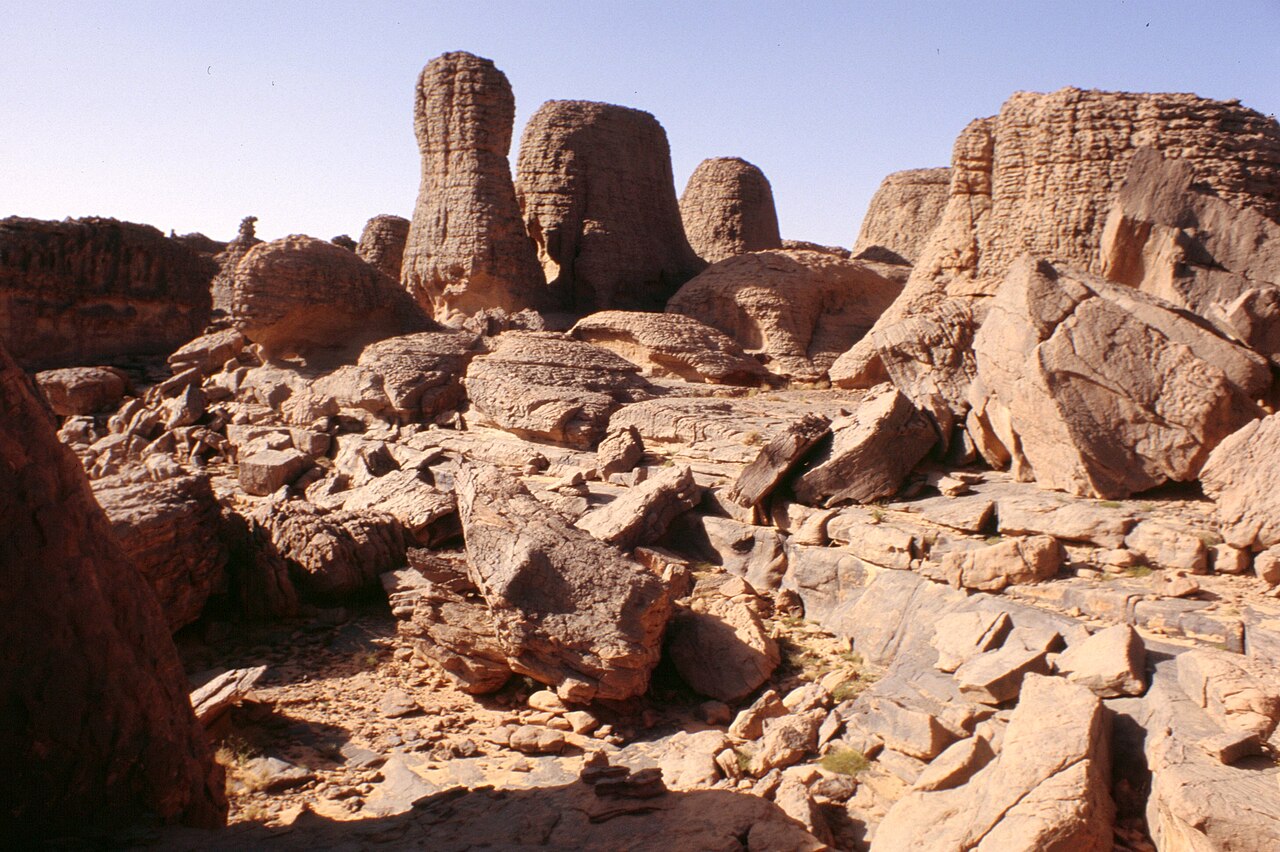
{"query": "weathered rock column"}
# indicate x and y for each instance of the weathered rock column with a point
(727, 208)
(467, 247)
(382, 243)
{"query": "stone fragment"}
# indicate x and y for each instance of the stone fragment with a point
(642, 513)
(425, 512)
(1239, 693)
(787, 739)
(207, 353)
(535, 739)
(672, 345)
(1238, 478)
(1100, 390)
(567, 607)
(419, 375)
(218, 694)
(955, 766)
(545, 387)
(1011, 562)
(267, 471)
(749, 723)
(332, 554)
(777, 458)
(870, 454)
(84, 649)
(619, 451)
(794, 799)
(902, 214)
(727, 209)
(598, 197)
(798, 310)
(467, 250)
(996, 676)
(1049, 788)
(382, 244)
(172, 532)
(1111, 663)
(83, 390)
(962, 636)
(1169, 545)
(721, 648)
(396, 704)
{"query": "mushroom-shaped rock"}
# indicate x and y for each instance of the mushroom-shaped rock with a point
(598, 197)
(299, 295)
(798, 309)
(82, 291)
(549, 388)
(467, 247)
(382, 244)
(902, 214)
(570, 611)
(96, 721)
(1100, 390)
(672, 345)
(727, 209)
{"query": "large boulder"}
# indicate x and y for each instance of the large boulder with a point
(548, 388)
(1240, 475)
(570, 611)
(642, 514)
(1049, 788)
(672, 345)
(172, 530)
(467, 247)
(727, 209)
(382, 244)
(598, 197)
(94, 717)
(798, 310)
(1100, 390)
(902, 214)
(84, 291)
(300, 295)
(83, 390)
(420, 374)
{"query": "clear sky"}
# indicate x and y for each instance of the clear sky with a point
(191, 115)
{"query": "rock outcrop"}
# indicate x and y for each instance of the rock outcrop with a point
(799, 310)
(382, 244)
(902, 214)
(84, 291)
(332, 554)
(727, 209)
(467, 248)
(299, 295)
(96, 721)
(598, 197)
(1102, 391)
(671, 345)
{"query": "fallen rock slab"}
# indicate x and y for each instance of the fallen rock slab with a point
(210, 700)
(1237, 478)
(1110, 663)
(643, 513)
(721, 648)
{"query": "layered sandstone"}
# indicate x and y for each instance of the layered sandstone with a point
(902, 214)
(798, 310)
(598, 197)
(382, 244)
(245, 239)
(84, 291)
(94, 714)
(467, 248)
(727, 209)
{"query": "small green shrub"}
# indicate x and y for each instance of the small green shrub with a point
(845, 761)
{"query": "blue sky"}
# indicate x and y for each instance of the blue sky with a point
(189, 116)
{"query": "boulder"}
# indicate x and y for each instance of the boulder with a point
(799, 310)
(997, 676)
(570, 611)
(1049, 788)
(382, 244)
(299, 295)
(548, 388)
(83, 390)
(467, 249)
(642, 513)
(727, 209)
(902, 214)
(332, 554)
(672, 345)
(1237, 692)
(1007, 563)
(267, 471)
(172, 531)
(961, 636)
(1111, 662)
(207, 353)
(595, 185)
(777, 458)
(619, 451)
(425, 511)
(214, 697)
(95, 712)
(1238, 476)
(85, 291)
(870, 454)
(1100, 390)
(420, 374)
(721, 648)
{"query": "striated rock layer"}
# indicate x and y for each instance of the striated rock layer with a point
(95, 724)
(598, 197)
(467, 248)
(382, 244)
(84, 291)
(727, 209)
(902, 214)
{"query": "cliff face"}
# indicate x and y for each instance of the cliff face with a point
(82, 291)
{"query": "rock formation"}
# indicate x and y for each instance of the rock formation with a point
(95, 715)
(727, 209)
(382, 244)
(598, 197)
(902, 214)
(84, 291)
(798, 309)
(221, 288)
(467, 248)
(83, 390)
(1237, 476)
(298, 295)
